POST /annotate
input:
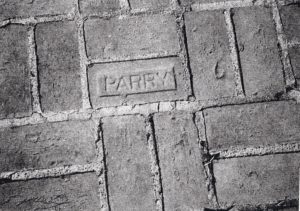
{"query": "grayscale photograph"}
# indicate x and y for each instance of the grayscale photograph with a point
(149, 105)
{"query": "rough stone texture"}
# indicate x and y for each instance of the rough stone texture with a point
(58, 66)
(187, 3)
(28, 8)
(259, 55)
(257, 180)
(137, 82)
(131, 36)
(96, 7)
(295, 60)
(182, 173)
(210, 61)
(47, 145)
(253, 124)
(15, 99)
(149, 4)
(76, 192)
(290, 16)
(128, 163)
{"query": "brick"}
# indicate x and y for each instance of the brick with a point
(15, 99)
(76, 192)
(257, 180)
(96, 7)
(183, 179)
(47, 145)
(187, 3)
(58, 66)
(17, 9)
(253, 124)
(134, 82)
(149, 4)
(290, 16)
(259, 55)
(210, 61)
(295, 60)
(131, 37)
(128, 163)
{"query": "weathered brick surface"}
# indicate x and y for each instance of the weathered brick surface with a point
(295, 60)
(76, 192)
(208, 48)
(188, 3)
(47, 145)
(90, 7)
(128, 163)
(149, 4)
(182, 173)
(131, 37)
(257, 180)
(27, 8)
(290, 16)
(15, 97)
(171, 63)
(259, 55)
(58, 66)
(253, 124)
(137, 82)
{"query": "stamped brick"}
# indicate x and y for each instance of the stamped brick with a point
(253, 124)
(257, 180)
(128, 163)
(131, 37)
(58, 66)
(259, 55)
(208, 47)
(27, 8)
(96, 7)
(47, 145)
(15, 99)
(137, 82)
(76, 192)
(149, 4)
(290, 16)
(294, 53)
(183, 179)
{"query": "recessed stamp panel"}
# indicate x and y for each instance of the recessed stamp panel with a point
(134, 82)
